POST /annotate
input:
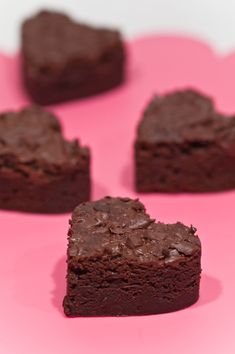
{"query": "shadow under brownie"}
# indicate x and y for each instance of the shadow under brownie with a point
(39, 170)
(120, 262)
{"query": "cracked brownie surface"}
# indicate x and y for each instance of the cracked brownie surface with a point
(117, 250)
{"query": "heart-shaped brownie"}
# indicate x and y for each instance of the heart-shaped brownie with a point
(65, 60)
(120, 262)
(184, 145)
(39, 170)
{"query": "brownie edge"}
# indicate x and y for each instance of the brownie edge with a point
(121, 262)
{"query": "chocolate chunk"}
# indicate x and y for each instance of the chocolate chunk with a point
(141, 224)
(172, 255)
(184, 247)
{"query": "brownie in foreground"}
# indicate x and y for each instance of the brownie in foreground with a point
(120, 262)
(184, 145)
(39, 170)
(65, 60)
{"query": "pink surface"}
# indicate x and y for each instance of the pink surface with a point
(32, 248)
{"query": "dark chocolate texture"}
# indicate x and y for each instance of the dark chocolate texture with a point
(65, 60)
(121, 262)
(184, 145)
(39, 170)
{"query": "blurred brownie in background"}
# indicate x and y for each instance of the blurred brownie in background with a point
(64, 60)
(40, 171)
(184, 145)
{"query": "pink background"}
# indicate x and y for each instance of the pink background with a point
(33, 247)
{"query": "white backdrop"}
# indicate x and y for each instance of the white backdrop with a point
(211, 20)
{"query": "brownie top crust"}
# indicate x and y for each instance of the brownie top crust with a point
(120, 227)
(33, 138)
(185, 116)
(52, 38)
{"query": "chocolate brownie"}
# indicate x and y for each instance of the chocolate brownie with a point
(120, 262)
(65, 60)
(39, 170)
(184, 145)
